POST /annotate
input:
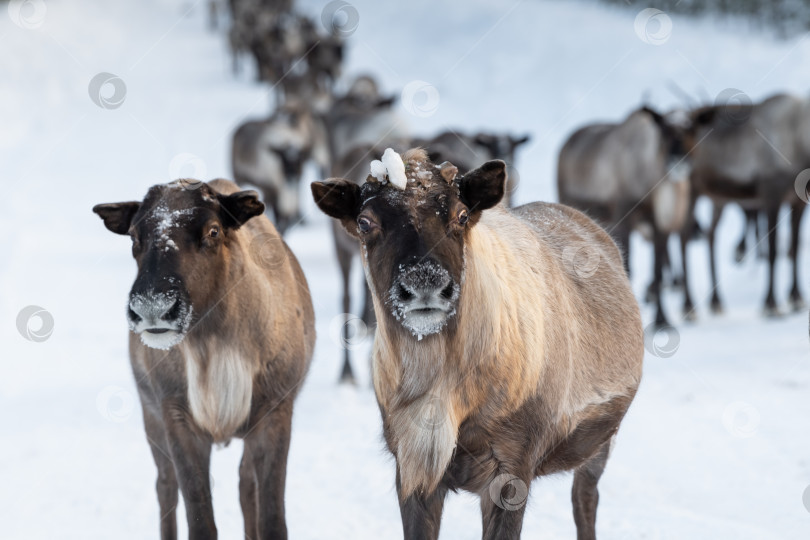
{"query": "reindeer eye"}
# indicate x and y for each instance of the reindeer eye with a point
(463, 217)
(364, 225)
(214, 232)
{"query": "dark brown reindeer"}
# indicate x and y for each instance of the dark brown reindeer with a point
(627, 174)
(222, 332)
(751, 155)
(499, 356)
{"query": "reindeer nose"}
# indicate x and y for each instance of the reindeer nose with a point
(152, 308)
(425, 281)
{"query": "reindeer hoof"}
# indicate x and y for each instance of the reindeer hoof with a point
(689, 314)
(797, 304)
(348, 380)
(717, 308)
(739, 256)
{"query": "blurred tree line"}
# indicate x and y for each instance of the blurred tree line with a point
(787, 17)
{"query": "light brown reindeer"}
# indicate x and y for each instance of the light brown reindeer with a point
(500, 354)
(222, 337)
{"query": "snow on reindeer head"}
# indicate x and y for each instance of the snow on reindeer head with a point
(412, 218)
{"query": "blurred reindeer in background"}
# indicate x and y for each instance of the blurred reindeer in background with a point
(469, 152)
(358, 121)
(751, 155)
(271, 154)
(287, 48)
(630, 174)
(250, 21)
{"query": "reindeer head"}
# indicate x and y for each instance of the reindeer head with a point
(413, 231)
(181, 240)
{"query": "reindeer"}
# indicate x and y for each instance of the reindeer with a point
(627, 174)
(470, 151)
(250, 21)
(222, 333)
(497, 356)
(271, 154)
(363, 115)
(750, 155)
(354, 164)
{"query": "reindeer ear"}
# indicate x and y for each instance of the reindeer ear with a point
(237, 208)
(338, 198)
(656, 116)
(483, 187)
(385, 102)
(117, 216)
(517, 141)
(486, 140)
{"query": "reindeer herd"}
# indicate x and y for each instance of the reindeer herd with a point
(495, 359)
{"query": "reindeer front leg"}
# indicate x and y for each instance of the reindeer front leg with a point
(191, 454)
(421, 514)
(266, 447)
(503, 505)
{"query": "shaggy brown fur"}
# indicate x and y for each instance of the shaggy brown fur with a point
(533, 371)
(243, 354)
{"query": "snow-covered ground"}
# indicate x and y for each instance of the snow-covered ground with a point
(717, 443)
